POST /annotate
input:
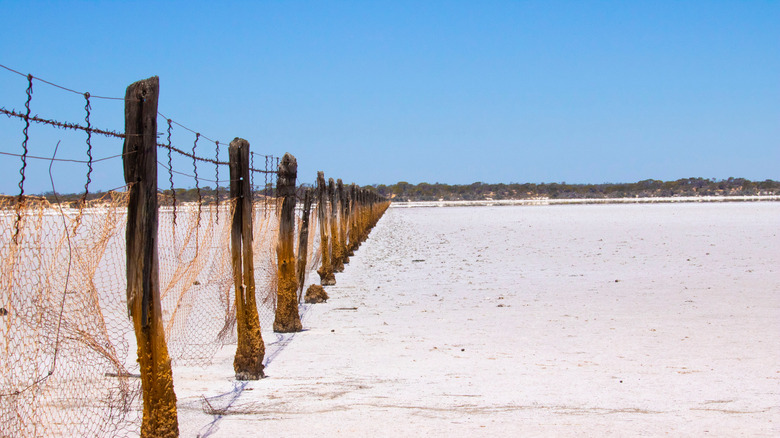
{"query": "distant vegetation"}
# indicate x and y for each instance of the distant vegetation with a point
(208, 195)
(403, 191)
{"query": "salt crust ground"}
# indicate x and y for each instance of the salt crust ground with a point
(569, 320)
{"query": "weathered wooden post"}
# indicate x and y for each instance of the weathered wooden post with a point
(366, 215)
(326, 270)
(143, 286)
(353, 215)
(303, 242)
(248, 363)
(287, 319)
(360, 217)
(344, 214)
(337, 250)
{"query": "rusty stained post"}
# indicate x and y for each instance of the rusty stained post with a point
(343, 220)
(303, 242)
(287, 319)
(248, 362)
(337, 251)
(353, 216)
(143, 285)
(327, 278)
(361, 219)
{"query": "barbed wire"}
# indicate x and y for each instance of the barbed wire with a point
(169, 169)
(66, 125)
(107, 133)
(62, 125)
(207, 160)
(189, 155)
(89, 130)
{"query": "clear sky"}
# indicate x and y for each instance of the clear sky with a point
(419, 91)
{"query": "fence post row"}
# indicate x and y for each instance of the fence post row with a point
(350, 219)
(344, 216)
(250, 350)
(287, 319)
(143, 287)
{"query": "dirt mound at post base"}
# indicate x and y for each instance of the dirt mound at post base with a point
(315, 294)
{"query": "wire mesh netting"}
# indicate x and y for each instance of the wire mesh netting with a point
(68, 363)
(65, 334)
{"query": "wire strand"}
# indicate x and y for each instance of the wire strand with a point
(193, 176)
(63, 125)
(66, 159)
(60, 86)
(186, 128)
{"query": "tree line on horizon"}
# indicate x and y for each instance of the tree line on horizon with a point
(403, 191)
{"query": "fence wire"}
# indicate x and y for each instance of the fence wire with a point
(68, 364)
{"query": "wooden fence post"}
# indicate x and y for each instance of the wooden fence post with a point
(353, 215)
(143, 284)
(338, 251)
(248, 363)
(326, 270)
(303, 242)
(287, 319)
(360, 217)
(343, 224)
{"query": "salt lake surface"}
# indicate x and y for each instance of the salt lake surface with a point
(563, 320)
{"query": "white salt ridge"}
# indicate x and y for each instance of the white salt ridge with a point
(548, 201)
(568, 320)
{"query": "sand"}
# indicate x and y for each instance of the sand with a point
(560, 320)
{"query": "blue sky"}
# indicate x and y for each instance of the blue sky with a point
(379, 92)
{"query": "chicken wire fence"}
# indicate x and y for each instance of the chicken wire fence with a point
(68, 362)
